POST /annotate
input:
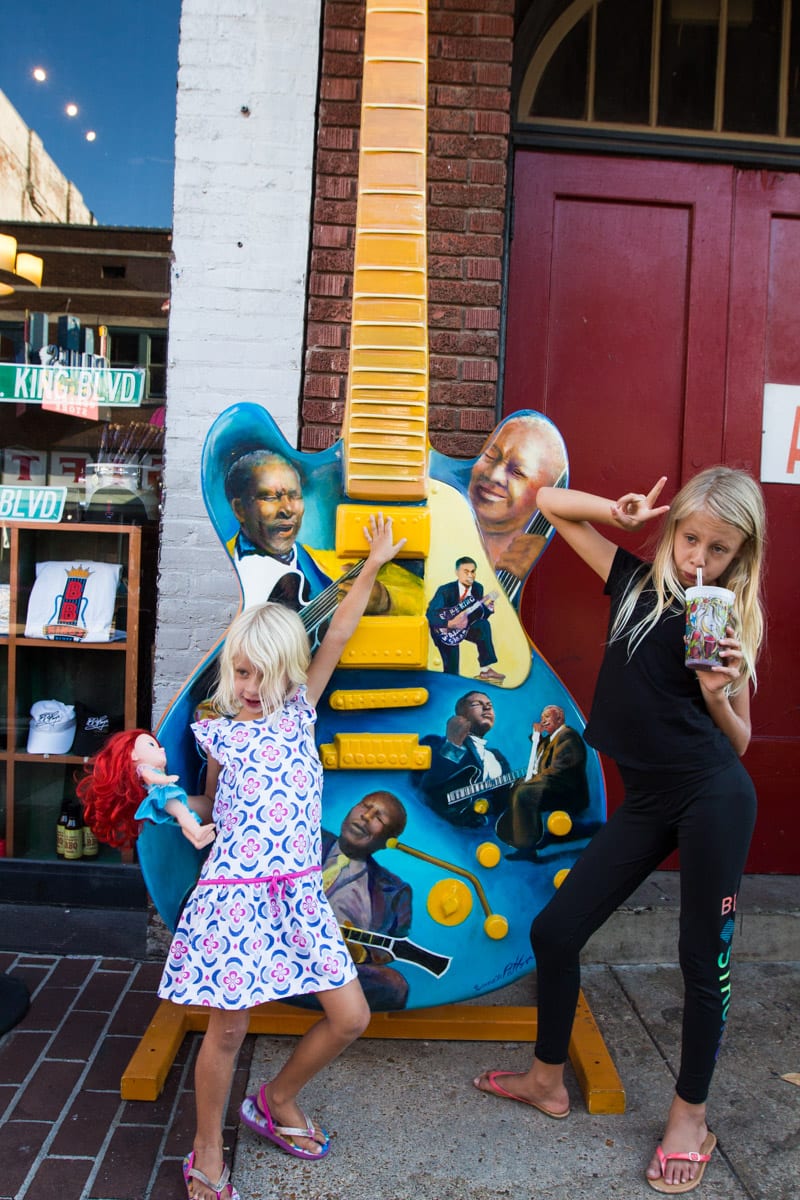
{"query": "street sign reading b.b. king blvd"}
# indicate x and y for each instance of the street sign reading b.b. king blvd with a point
(71, 386)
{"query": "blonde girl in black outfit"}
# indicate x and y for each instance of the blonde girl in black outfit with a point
(677, 736)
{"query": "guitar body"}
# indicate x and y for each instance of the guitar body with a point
(445, 885)
(452, 851)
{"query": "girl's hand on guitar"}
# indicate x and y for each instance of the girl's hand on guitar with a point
(380, 535)
(633, 509)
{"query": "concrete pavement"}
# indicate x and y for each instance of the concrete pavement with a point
(407, 1123)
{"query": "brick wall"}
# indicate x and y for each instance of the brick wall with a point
(470, 48)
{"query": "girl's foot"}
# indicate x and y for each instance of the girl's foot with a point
(207, 1177)
(686, 1133)
(288, 1114)
(548, 1095)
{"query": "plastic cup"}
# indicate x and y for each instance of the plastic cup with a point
(708, 614)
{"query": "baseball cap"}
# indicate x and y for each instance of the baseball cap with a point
(93, 729)
(52, 727)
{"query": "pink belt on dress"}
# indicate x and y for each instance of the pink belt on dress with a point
(277, 882)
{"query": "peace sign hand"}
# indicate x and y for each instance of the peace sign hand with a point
(633, 509)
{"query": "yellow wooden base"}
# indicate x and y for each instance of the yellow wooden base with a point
(596, 1074)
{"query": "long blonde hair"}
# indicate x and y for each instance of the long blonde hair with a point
(273, 640)
(734, 498)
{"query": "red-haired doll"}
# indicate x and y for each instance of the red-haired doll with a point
(125, 783)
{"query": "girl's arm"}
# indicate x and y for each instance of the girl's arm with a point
(382, 549)
(574, 515)
(731, 714)
(203, 806)
(199, 834)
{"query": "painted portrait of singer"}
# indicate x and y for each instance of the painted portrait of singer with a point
(525, 452)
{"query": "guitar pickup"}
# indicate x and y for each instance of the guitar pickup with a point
(350, 699)
(375, 751)
(408, 521)
(397, 642)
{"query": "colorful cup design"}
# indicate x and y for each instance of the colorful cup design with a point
(708, 613)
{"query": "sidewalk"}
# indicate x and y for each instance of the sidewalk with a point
(405, 1120)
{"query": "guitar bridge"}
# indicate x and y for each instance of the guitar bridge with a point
(375, 751)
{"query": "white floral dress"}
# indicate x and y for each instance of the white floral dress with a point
(257, 926)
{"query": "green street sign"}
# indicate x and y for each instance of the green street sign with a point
(29, 503)
(71, 385)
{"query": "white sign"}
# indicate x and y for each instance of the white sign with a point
(780, 435)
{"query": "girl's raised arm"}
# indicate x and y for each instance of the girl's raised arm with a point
(382, 549)
(574, 515)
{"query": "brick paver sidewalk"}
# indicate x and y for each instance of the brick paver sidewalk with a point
(65, 1134)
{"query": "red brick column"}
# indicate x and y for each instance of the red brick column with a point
(470, 48)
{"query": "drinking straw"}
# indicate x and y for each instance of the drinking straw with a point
(699, 576)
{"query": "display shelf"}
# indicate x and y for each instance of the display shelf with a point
(103, 676)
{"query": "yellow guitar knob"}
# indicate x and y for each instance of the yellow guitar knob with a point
(449, 902)
(559, 823)
(481, 806)
(495, 927)
(488, 854)
(560, 876)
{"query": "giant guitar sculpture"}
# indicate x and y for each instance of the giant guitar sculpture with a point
(389, 700)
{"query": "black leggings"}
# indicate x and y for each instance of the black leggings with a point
(710, 820)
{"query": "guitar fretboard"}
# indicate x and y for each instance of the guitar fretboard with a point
(487, 785)
(386, 416)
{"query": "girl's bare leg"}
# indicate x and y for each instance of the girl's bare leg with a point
(542, 1083)
(346, 1016)
(213, 1075)
(685, 1132)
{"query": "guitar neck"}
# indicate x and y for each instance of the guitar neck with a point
(477, 789)
(399, 948)
(386, 415)
(325, 604)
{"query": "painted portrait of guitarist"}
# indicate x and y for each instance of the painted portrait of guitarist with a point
(460, 611)
(265, 492)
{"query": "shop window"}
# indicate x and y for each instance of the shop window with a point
(141, 348)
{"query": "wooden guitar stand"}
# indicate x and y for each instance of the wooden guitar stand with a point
(597, 1076)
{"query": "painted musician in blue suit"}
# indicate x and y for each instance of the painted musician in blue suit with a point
(265, 493)
(463, 759)
(458, 612)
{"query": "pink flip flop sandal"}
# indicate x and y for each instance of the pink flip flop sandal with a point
(256, 1116)
(672, 1189)
(497, 1089)
(190, 1172)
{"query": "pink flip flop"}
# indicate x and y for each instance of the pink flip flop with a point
(256, 1116)
(497, 1090)
(672, 1189)
(190, 1171)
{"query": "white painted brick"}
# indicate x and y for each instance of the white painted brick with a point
(237, 312)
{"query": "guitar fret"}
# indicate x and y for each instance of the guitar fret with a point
(377, 462)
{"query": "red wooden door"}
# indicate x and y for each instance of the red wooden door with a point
(631, 323)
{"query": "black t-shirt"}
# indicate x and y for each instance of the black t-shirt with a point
(648, 711)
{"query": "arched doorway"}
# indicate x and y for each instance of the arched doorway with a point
(653, 294)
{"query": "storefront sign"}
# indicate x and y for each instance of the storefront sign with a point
(32, 503)
(780, 439)
(71, 386)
